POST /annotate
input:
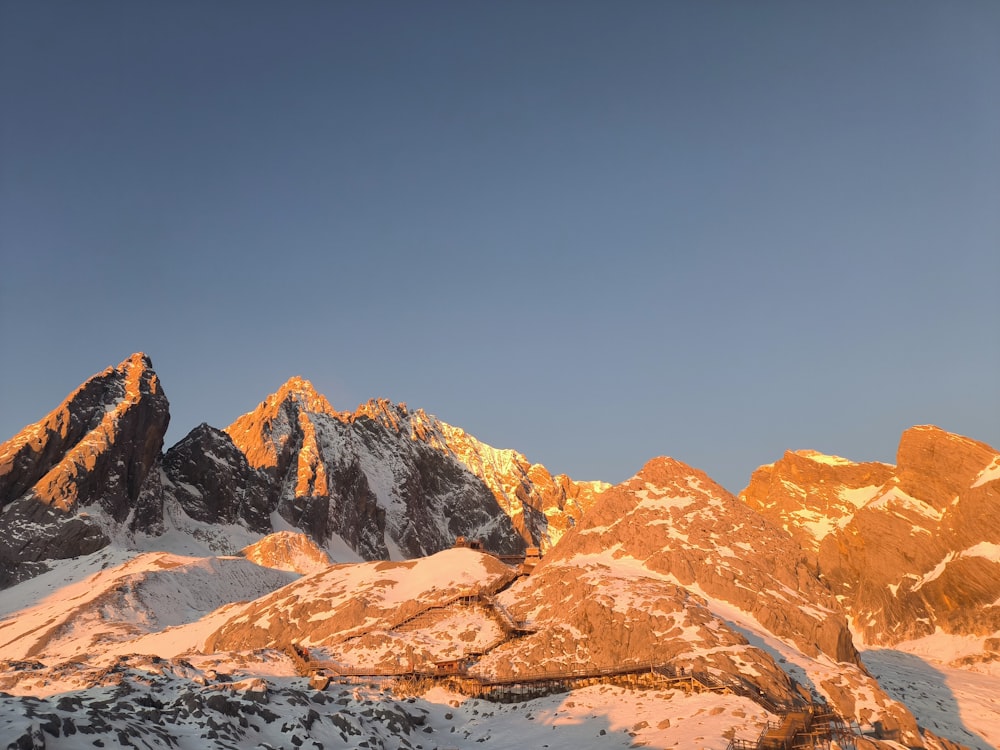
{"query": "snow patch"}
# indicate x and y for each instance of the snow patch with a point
(990, 474)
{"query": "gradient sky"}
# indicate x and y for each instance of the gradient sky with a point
(592, 232)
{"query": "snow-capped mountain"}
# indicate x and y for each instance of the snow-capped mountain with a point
(386, 477)
(910, 549)
(69, 481)
(235, 590)
(672, 523)
(381, 482)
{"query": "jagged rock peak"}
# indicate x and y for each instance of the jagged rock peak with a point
(83, 426)
(417, 424)
(302, 392)
(95, 449)
(810, 494)
(264, 433)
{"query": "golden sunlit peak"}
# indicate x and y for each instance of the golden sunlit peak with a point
(139, 359)
(302, 391)
(299, 386)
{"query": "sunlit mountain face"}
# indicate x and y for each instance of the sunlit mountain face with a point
(308, 577)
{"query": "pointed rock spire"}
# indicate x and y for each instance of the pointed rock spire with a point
(96, 448)
(266, 434)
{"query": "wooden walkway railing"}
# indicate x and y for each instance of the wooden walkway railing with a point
(799, 727)
(815, 726)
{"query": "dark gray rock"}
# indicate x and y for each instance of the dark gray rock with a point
(213, 482)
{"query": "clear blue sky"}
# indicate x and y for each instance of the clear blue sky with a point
(592, 232)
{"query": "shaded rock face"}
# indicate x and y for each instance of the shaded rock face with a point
(363, 481)
(921, 550)
(678, 522)
(213, 482)
(391, 482)
(94, 452)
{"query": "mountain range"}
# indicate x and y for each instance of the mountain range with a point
(303, 527)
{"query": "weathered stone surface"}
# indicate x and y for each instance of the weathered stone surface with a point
(677, 521)
(590, 613)
(810, 495)
(286, 550)
(919, 549)
(214, 483)
(94, 451)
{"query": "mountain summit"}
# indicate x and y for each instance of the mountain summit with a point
(92, 453)
(218, 556)
(377, 483)
(909, 549)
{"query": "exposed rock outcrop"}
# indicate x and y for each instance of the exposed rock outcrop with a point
(93, 453)
(672, 522)
(810, 494)
(213, 482)
(676, 521)
(920, 551)
(592, 613)
(286, 550)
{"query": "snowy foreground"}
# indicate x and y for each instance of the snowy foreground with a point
(70, 676)
(960, 704)
(255, 701)
(185, 705)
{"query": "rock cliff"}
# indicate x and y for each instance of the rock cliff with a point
(676, 521)
(379, 482)
(920, 549)
(67, 481)
(388, 481)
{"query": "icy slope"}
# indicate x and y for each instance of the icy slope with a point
(146, 594)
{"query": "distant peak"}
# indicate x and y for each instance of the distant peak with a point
(302, 392)
(665, 471)
(139, 359)
(299, 385)
(383, 411)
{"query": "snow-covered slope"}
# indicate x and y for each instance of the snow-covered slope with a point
(328, 609)
(216, 705)
(146, 594)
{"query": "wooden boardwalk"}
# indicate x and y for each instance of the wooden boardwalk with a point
(813, 727)
(524, 685)
(800, 727)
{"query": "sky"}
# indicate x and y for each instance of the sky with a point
(592, 232)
